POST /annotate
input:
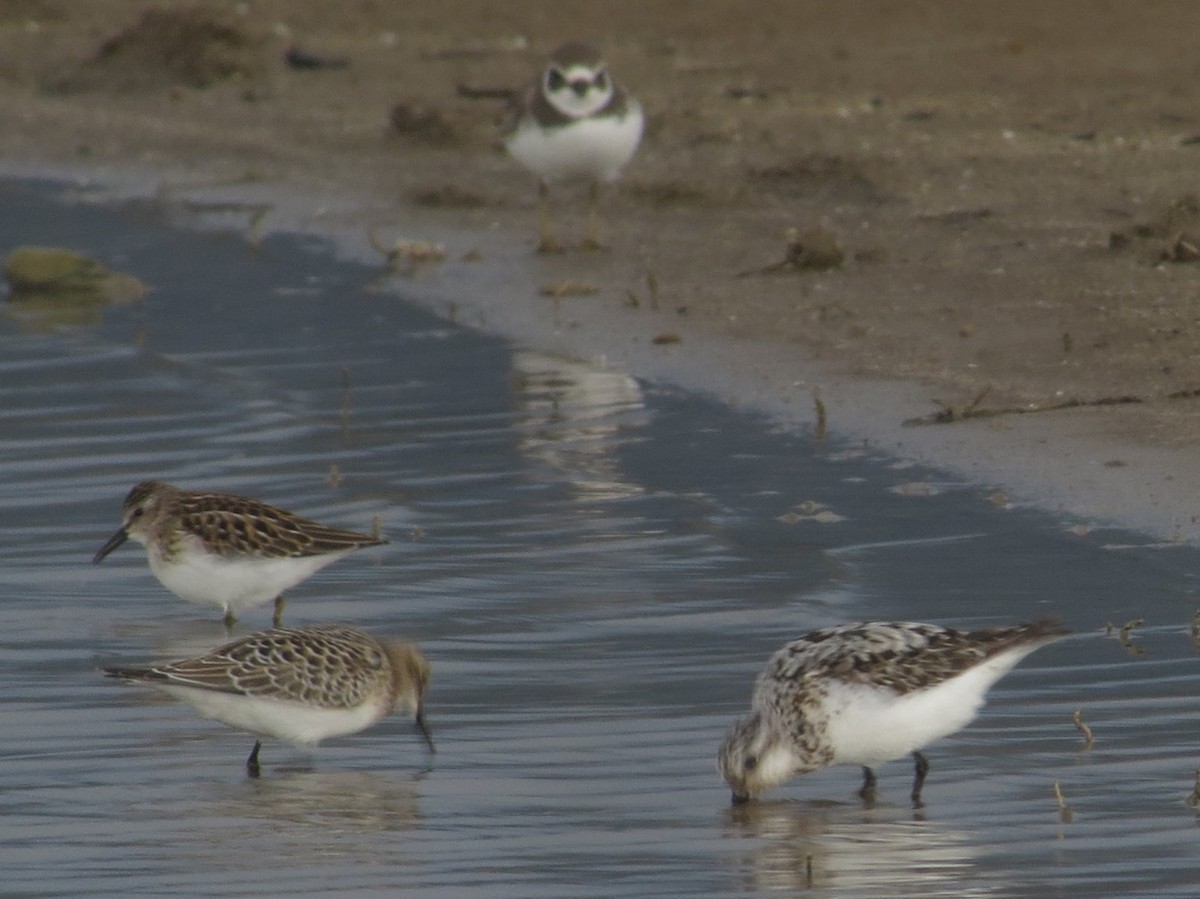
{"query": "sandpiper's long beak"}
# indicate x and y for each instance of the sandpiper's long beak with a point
(424, 729)
(113, 542)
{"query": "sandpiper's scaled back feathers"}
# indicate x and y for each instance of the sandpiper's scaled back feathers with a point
(224, 550)
(574, 123)
(865, 694)
(299, 684)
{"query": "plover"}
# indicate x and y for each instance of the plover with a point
(574, 124)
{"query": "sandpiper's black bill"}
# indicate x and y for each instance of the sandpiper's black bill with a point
(113, 542)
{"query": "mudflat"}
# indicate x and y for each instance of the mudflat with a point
(994, 204)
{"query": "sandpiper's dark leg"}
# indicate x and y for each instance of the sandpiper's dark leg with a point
(229, 619)
(252, 769)
(591, 240)
(279, 604)
(919, 781)
(867, 790)
(546, 241)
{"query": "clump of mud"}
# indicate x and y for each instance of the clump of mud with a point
(193, 48)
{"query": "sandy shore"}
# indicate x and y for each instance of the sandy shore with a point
(1009, 186)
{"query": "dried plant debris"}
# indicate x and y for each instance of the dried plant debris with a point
(1084, 730)
(1193, 799)
(406, 256)
(1124, 634)
(1194, 630)
(813, 249)
(951, 414)
(1064, 811)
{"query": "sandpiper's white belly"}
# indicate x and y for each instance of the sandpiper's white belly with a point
(591, 149)
(295, 722)
(871, 725)
(234, 583)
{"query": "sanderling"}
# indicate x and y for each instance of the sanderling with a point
(864, 694)
(227, 551)
(299, 684)
(574, 123)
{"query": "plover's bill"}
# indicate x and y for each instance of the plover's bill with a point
(574, 124)
(227, 551)
(864, 694)
(299, 684)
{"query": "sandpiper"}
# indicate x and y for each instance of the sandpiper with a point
(224, 550)
(574, 124)
(299, 684)
(865, 694)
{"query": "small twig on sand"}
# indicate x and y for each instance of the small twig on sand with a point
(950, 414)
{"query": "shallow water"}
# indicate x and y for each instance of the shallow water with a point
(596, 567)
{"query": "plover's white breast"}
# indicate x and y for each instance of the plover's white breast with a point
(593, 149)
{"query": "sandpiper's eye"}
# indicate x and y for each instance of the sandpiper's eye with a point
(555, 80)
(138, 512)
(751, 762)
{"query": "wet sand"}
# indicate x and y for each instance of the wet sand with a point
(1009, 186)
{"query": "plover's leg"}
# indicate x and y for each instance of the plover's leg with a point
(279, 604)
(229, 619)
(591, 240)
(252, 762)
(922, 769)
(867, 790)
(546, 241)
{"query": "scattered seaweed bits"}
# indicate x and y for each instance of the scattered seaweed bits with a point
(1194, 629)
(666, 338)
(1081, 726)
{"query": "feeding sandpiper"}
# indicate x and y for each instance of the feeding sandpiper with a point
(574, 124)
(864, 694)
(224, 550)
(299, 684)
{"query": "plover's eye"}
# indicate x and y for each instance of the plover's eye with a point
(555, 80)
(751, 762)
(601, 80)
(138, 512)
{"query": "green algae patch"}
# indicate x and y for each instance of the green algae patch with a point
(55, 286)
